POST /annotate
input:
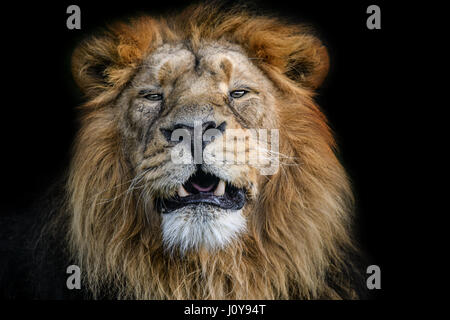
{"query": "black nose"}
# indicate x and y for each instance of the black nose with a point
(202, 140)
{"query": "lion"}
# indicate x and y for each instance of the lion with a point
(142, 226)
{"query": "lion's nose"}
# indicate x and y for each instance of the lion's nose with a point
(196, 133)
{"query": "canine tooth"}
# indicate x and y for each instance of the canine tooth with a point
(182, 192)
(220, 190)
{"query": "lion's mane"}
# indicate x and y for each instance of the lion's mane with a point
(298, 235)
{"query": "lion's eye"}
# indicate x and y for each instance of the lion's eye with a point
(154, 96)
(238, 93)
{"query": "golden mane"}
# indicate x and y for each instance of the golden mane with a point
(299, 230)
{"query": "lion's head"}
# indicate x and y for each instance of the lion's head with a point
(144, 225)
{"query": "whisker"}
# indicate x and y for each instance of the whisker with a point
(154, 154)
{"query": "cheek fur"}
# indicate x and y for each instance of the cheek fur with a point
(142, 112)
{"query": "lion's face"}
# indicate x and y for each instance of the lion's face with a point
(200, 136)
(197, 97)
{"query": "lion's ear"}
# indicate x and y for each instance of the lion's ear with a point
(308, 64)
(103, 64)
(291, 50)
(91, 61)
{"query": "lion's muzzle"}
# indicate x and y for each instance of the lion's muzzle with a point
(204, 188)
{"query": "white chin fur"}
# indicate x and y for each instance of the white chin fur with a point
(194, 227)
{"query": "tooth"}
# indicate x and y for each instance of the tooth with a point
(220, 190)
(182, 192)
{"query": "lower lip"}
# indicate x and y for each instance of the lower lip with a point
(224, 202)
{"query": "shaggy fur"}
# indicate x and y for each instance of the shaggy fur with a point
(298, 236)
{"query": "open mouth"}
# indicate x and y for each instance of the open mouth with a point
(204, 188)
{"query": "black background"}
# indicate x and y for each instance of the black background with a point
(359, 97)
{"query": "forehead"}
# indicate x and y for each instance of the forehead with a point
(170, 61)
